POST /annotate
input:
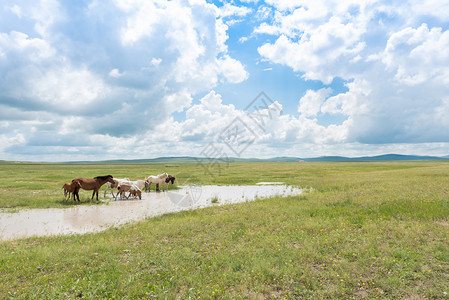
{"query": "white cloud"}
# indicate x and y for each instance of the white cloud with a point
(310, 104)
(228, 10)
(317, 53)
(208, 121)
(415, 55)
(263, 13)
(113, 73)
(437, 8)
(232, 69)
(156, 61)
(285, 4)
(115, 69)
(396, 66)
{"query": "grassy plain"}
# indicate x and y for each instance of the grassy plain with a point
(365, 231)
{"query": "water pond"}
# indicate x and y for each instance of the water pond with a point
(83, 219)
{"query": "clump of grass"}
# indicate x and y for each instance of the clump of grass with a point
(215, 200)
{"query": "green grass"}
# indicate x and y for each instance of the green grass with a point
(36, 185)
(365, 231)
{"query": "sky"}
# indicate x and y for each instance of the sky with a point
(136, 79)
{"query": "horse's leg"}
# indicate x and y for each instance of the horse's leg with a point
(93, 194)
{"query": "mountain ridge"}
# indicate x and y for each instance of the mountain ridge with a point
(193, 159)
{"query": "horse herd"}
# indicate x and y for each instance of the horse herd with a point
(123, 185)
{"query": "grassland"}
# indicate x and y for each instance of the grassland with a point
(366, 231)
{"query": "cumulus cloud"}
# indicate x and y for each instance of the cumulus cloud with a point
(310, 104)
(119, 77)
(211, 124)
(415, 55)
(228, 10)
(113, 69)
(394, 65)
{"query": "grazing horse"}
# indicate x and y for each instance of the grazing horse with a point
(158, 180)
(168, 179)
(92, 184)
(131, 188)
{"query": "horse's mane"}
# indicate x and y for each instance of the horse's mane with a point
(103, 177)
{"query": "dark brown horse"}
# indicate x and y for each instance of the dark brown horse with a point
(170, 178)
(95, 184)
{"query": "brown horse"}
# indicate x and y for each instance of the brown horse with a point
(92, 184)
(71, 188)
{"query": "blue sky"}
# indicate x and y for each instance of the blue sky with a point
(94, 80)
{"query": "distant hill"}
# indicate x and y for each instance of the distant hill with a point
(385, 157)
(190, 159)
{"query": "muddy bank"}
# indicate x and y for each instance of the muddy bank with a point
(84, 219)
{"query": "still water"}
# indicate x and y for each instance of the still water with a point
(83, 219)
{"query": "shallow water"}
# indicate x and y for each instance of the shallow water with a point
(84, 219)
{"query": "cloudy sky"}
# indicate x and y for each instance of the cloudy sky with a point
(110, 79)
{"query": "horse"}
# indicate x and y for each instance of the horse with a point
(131, 188)
(158, 180)
(139, 183)
(167, 181)
(116, 183)
(92, 184)
(70, 188)
(170, 178)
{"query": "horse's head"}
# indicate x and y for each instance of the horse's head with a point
(107, 178)
(170, 178)
(76, 183)
(110, 179)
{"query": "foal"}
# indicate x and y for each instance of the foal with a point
(70, 188)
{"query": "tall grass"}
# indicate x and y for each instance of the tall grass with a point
(365, 231)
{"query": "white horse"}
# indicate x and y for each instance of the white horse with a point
(111, 186)
(139, 183)
(159, 180)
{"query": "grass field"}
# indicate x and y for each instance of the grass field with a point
(365, 231)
